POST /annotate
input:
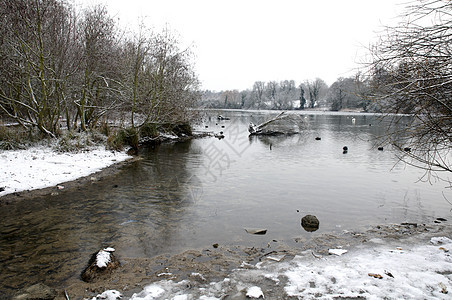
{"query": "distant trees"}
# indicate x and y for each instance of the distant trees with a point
(411, 72)
(281, 95)
(59, 64)
(302, 98)
(346, 93)
(316, 89)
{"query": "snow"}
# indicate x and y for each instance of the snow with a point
(150, 292)
(254, 292)
(102, 258)
(422, 270)
(416, 273)
(109, 295)
(337, 252)
(440, 240)
(41, 167)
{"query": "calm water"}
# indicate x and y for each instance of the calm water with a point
(206, 191)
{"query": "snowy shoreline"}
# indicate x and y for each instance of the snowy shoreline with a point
(42, 167)
(414, 265)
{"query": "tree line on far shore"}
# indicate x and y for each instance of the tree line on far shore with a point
(71, 68)
(346, 93)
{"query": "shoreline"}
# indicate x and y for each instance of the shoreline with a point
(26, 195)
(98, 174)
(196, 270)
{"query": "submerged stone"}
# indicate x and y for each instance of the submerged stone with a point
(310, 223)
(37, 292)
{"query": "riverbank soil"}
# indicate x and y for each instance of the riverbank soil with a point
(200, 267)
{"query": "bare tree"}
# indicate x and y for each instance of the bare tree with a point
(160, 84)
(302, 98)
(315, 90)
(258, 92)
(35, 50)
(98, 92)
(54, 64)
(345, 93)
(411, 72)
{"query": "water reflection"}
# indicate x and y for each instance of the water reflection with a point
(206, 191)
(139, 211)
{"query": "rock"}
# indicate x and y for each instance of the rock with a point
(256, 231)
(37, 292)
(2, 189)
(345, 148)
(219, 136)
(310, 223)
(318, 138)
(380, 148)
(389, 274)
(220, 117)
(101, 263)
(407, 149)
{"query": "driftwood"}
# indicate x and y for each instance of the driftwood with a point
(259, 129)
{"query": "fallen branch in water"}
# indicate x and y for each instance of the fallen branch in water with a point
(257, 129)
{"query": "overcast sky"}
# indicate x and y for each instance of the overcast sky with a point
(238, 42)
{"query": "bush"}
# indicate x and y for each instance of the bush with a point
(122, 137)
(179, 129)
(115, 140)
(13, 138)
(149, 130)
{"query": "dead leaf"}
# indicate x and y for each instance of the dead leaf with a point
(378, 276)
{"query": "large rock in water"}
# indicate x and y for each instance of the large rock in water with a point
(310, 223)
(102, 262)
(37, 292)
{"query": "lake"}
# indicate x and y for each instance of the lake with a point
(204, 191)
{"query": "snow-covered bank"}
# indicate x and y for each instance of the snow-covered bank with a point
(41, 167)
(377, 270)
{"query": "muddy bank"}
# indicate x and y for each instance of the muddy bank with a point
(200, 267)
